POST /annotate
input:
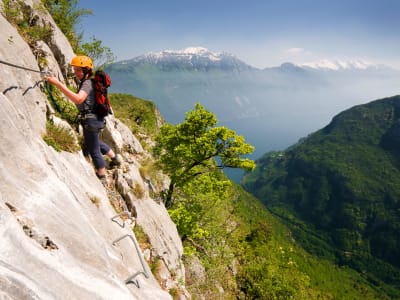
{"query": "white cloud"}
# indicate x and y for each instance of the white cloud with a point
(295, 50)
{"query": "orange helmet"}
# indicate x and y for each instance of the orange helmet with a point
(82, 61)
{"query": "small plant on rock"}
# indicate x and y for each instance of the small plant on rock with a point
(60, 138)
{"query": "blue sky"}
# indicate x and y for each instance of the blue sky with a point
(263, 33)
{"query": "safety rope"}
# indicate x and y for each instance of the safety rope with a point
(47, 86)
(49, 89)
(19, 67)
(9, 89)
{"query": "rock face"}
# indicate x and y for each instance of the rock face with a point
(58, 239)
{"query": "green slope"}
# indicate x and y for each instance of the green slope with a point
(247, 251)
(339, 191)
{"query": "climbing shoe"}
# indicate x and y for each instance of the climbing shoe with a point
(116, 161)
(102, 179)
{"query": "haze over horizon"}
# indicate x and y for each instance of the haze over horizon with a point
(261, 33)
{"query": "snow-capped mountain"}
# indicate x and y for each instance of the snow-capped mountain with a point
(341, 65)
(271, 107)
(200, 58)
(190, 58)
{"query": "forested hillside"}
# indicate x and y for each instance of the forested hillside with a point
(234, 247)
(338, 190)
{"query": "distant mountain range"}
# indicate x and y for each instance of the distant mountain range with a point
(193, 58)
(200, 58)
(271, 107)
(343, 65)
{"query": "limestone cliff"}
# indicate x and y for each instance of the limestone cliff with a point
(59, 239)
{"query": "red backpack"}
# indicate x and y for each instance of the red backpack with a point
(101, 82)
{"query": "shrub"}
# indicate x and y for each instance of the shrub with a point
(142, 238)
(139, 115)
(67, 15)
(60, 138)
(20, 15)
(95, 200)
(65, 109)
(138, 191)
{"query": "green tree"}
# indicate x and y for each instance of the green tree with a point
(201, 208)
(67, 15)
(100, 54)
(197, 146)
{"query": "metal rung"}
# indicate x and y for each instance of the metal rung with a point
(119, 216)
(144, 272)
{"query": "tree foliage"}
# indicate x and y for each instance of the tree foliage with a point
(244, 250)
(199, 206)
(67, 15)
(20, 15)
(100, 54)
(338, 190)
(197, 146)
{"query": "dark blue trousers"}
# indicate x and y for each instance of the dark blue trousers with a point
(93, 145)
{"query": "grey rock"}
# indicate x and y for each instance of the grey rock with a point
(55, 215)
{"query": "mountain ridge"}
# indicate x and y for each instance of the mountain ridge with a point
(257, 103)
(341, 183)
(189, 58)
(201, 57)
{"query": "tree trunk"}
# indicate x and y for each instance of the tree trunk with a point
(168, 198)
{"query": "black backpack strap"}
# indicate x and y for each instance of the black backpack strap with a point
(81, 83)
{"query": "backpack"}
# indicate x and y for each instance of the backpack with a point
(101, 82)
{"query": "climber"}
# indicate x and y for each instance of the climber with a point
(92, 124)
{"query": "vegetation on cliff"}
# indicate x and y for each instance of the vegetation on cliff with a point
(236, 248)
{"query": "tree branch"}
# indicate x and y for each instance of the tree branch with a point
(197, 246)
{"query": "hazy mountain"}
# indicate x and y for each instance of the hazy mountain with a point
(192, 58)
(272, 107)
(342, 65)
(338, 189)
